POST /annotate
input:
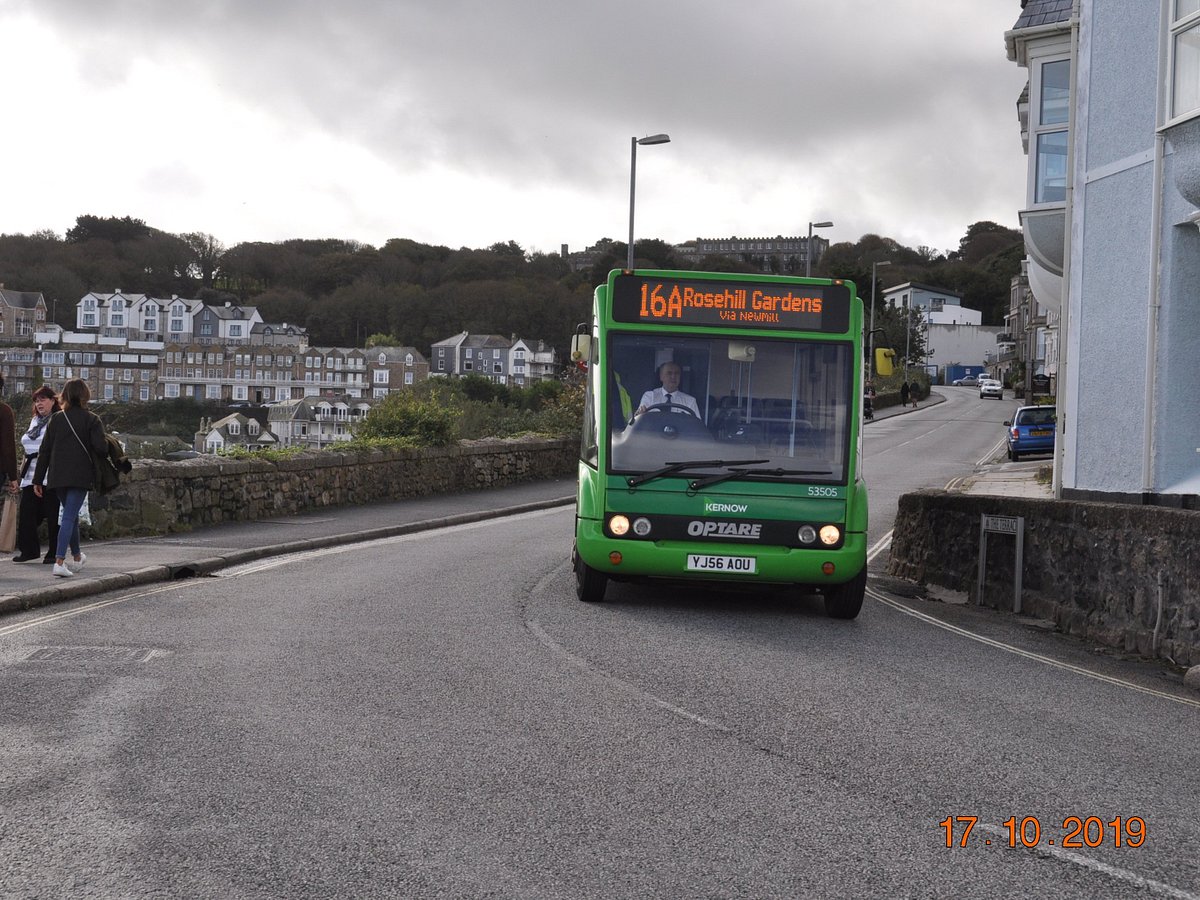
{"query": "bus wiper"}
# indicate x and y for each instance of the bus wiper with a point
(710, 480)
(672, 468)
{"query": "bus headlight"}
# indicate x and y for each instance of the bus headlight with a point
(807, 534)
(618, 526)
(830, 535)
(641, 526)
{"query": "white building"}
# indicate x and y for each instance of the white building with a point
(1111, 121)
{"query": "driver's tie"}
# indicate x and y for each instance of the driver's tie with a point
(668, 398)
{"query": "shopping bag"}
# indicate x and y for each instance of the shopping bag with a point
(8, 524)
(85, 514)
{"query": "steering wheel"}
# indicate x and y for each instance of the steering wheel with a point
(667, 407)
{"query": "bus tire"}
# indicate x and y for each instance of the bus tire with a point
(844, 601)
(589, 584)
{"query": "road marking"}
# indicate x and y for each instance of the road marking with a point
(884, 542)
(1147, 884)
(578, 662)
(1029, 654)
(47, 618)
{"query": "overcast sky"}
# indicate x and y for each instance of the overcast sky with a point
(467, 122)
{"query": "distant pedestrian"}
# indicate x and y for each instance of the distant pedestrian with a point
(912, 392)
(34, 508)
(72, 438)
(904, 394)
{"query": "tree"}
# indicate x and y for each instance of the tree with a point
(94, 228)
(206, 256)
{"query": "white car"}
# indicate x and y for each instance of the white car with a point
(991, 388)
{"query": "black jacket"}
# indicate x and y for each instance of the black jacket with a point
(62, 460)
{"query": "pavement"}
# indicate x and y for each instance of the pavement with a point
(126, 562)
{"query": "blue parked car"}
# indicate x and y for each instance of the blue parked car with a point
(1031, 431)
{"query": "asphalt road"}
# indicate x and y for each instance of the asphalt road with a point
(434, 714)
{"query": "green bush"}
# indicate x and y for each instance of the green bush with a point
(426, 418)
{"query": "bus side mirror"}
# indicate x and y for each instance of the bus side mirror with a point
(581, 348)
(883, 361)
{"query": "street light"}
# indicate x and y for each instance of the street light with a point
(871, 358)
(633, 145)
(808, 246)
(907, 330)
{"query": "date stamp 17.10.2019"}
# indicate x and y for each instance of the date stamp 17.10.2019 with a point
(1028, 831)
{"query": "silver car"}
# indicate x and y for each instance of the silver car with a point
(991, 388)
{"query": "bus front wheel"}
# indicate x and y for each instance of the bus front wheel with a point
(589, 584)
(844, 601)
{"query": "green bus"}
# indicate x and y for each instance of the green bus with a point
(722, 435)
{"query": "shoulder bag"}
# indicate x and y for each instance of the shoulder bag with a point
(105, 476)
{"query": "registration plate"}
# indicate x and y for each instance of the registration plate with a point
(1039, 432)
(746, 565)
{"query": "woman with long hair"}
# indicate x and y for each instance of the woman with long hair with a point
(74, 435)
(34, 508)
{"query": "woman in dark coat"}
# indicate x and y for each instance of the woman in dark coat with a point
(34, 508)
(74, 436)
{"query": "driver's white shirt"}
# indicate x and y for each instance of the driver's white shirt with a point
(679, 398)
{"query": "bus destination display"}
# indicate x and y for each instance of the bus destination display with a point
(731, 304)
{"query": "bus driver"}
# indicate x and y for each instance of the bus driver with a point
(669, 373)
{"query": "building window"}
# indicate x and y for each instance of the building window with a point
(381, 376)
(408, 377)
(171, 391)
(1185, 58)
(1053, 108)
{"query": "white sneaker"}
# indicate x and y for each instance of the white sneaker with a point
(62, 571)
(76, 564)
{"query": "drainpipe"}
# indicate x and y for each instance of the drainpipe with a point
(1153, 307)
(1153, 301)
(1062, 400)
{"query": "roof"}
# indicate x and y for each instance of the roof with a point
(22, 299)
(490, 341)
(233, 312)
(1043, 12)
(394, 354)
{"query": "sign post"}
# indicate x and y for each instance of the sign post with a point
(1014, 525)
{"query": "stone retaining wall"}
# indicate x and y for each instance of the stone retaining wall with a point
(161, 497)
(1121, 575)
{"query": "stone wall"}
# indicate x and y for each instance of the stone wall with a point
(1121, 575)
(160, 497)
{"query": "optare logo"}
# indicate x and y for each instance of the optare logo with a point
(744, 531)
(712, 507)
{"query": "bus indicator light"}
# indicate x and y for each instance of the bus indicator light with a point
(615, 557)
(827, 568)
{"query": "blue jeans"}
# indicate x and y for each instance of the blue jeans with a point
(68, 532)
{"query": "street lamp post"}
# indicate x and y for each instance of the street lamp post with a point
(871, 335)
(808, 246)
(907, 330)
(633, 145)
